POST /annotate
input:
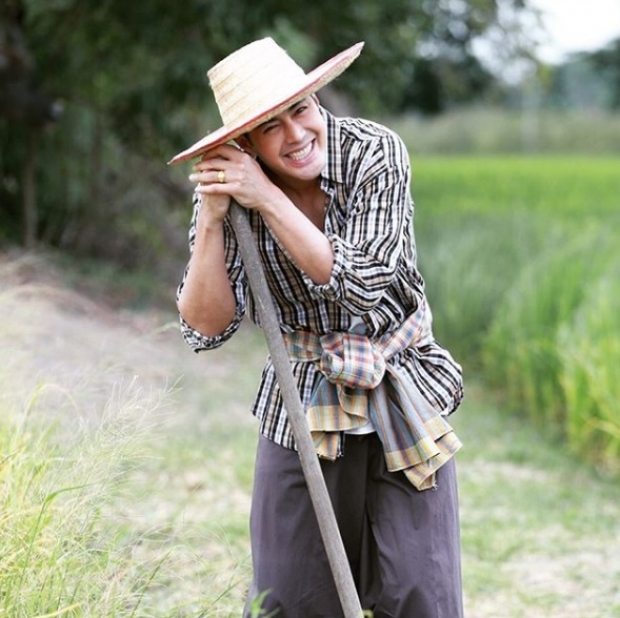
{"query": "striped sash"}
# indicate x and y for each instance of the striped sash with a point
(357, 384)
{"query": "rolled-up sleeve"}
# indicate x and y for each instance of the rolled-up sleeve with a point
(196, 340)
(369, 244)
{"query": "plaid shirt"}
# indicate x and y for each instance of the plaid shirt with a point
(375, 281)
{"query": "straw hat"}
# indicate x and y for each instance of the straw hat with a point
(256, 83)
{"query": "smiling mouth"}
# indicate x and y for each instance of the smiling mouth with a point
(298, 155)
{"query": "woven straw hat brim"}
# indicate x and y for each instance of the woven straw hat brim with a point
(314, 81)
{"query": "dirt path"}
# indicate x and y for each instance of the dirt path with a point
(541, 534)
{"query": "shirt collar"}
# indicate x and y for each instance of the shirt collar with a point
(332, 172)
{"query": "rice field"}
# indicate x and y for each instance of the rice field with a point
(522, 260)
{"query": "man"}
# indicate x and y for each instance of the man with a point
(329, 204)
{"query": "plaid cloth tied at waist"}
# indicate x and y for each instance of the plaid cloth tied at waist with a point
(357, 384)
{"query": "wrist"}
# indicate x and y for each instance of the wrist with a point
(274, 208)
(209, 220)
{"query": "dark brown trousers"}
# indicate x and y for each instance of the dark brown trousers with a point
(403, 545)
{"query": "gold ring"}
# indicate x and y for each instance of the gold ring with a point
(221, 176)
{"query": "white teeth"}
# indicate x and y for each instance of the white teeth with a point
(300, 154)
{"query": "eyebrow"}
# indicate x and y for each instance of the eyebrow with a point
(288, 109)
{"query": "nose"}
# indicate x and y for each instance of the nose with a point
(294, 131)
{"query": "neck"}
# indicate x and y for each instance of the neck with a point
(310, 200)
(306, 195)
(298, 191)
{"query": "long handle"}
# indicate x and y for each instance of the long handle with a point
(299, 425)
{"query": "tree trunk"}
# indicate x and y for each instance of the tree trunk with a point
(29, 190)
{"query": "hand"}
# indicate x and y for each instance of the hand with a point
(228, 170)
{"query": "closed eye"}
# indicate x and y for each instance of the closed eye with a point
(269, 126)
(301, 108)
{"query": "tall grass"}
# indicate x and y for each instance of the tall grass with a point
(60, 555)
(116, 516)
(95, 497)
(522, 352)
(590, 375)
(521, 258)
(469, 261)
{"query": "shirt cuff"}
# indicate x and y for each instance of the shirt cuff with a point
(332, 290)
(199, 342)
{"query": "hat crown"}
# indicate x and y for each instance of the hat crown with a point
(255, 77)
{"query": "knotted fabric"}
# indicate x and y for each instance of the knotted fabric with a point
(357, 384)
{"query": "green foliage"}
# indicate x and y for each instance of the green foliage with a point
(606, 63)
(579, 84)
(521, 259)
(465, 258)
(522, 352)
(131, 77)
(590, 376)
(142, 64)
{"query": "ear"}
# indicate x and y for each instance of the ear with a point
(245, 143)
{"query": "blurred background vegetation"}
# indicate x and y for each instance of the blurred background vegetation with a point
(516, 168)
(95, 96)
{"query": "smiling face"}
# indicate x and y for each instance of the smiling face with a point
(293, 144)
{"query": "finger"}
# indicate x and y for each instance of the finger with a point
(212, 188)
(209, 176)
(222, 153)
(210, 162)
(208, 166)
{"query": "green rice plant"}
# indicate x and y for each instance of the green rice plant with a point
(480, 221)
(510, 248)
(469, 262)
(590, 377)
(520, 354)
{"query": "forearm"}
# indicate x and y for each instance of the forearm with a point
(206, 301)
(297, 229)
(305, 243)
